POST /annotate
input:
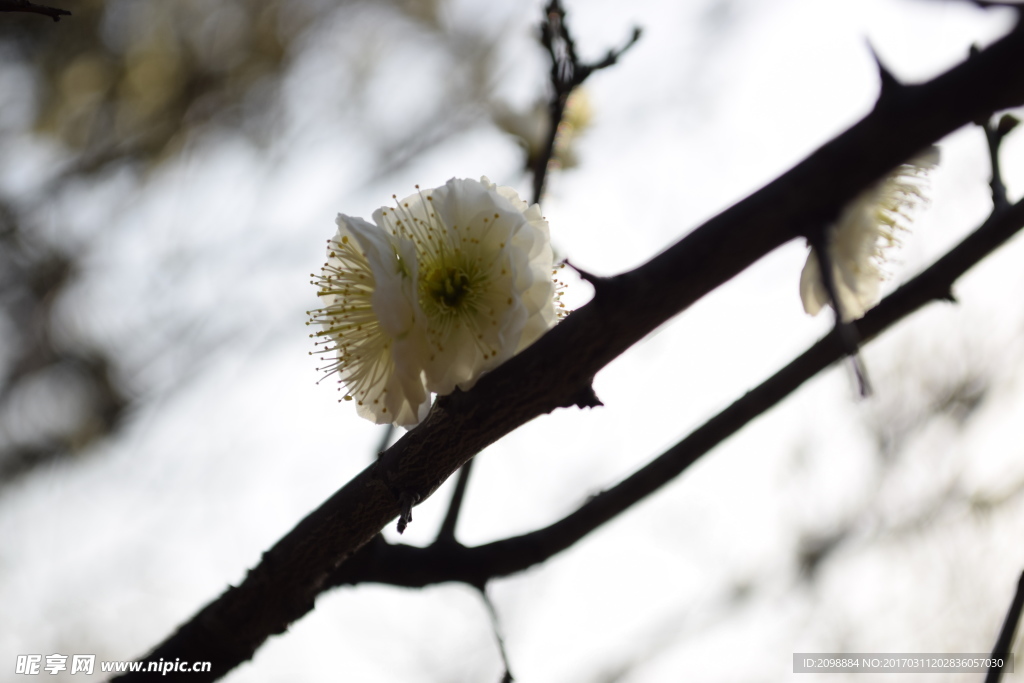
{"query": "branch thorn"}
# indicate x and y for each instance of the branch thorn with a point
(1007, 123)
(587, 398)
(890, 85)
(405, 502)
(595, 280)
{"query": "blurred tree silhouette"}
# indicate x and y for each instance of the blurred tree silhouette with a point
(124, 84)
(129, 86)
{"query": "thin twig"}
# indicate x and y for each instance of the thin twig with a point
(447, 532)
(496, 627)
(846, 331)
(994, 135)
(565, 71)
(1005, 640)
(385, 439)
(567, 74)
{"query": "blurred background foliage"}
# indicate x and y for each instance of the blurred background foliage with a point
(124, 88)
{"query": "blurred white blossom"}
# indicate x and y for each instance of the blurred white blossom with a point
(531, 127)
(443, 287)
(858, 241)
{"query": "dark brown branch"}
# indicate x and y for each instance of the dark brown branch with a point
(418, 567)
(32, 8)
(553, 371)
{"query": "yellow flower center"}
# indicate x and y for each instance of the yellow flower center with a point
(446, 287)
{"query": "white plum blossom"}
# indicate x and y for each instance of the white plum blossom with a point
(443, 287)
(858, 240)
(365, 311)
(483, 288)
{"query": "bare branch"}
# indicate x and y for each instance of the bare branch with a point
(417, 567)
(567, 74)
(561, 364)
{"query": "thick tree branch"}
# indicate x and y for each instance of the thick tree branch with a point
(417, 567)
(553, 372)
(32, 8)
